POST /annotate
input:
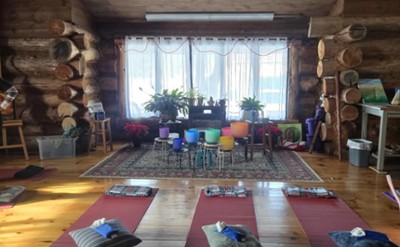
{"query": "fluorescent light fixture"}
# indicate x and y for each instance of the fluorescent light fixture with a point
(176, 17)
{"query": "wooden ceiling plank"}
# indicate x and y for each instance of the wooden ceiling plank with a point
(357, 8)
(322, 26)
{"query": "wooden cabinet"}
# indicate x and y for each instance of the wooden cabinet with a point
(207, 116)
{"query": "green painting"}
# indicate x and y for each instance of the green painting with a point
(372, 91)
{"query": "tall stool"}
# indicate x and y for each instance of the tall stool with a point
(208, 150)
(163, 142)
(9, 124)
(101, 130)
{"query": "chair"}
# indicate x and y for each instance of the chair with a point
(268, 141)
(100, 129)
(10, 124)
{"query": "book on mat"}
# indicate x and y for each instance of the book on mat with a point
(308, 192)
(227, 191)
(129, 190)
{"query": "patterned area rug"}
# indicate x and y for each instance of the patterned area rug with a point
(146, 163)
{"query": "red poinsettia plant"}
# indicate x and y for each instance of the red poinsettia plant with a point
(136, 130)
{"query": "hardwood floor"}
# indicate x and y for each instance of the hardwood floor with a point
(50, 206)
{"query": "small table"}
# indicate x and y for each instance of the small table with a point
(384, 111)
(178, 156)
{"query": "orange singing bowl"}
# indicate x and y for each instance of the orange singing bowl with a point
(239, 129)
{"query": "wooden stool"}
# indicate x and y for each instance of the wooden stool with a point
(14, 123)
(101, 130)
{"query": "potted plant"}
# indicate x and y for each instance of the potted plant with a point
(191, 96)
(168, 104)
(251, 108)
(136, 132)
(200, 99)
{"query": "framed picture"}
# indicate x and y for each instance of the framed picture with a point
(372, 91)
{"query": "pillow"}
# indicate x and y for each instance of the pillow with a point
(345, 239)
(88, 237)
(216, 239)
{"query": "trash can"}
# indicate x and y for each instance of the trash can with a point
(359, 151)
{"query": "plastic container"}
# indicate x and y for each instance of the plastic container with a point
(212, 135)
(359, 151)
(227, 142)
(56, 147)
(164, 132)
(239, 129)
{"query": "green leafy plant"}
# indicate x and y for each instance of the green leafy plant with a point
(251, 104)
(167, 103)
(191, 95)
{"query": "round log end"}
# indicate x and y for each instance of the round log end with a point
(350, 57)
(64, 72)
(352, 33)
(349, 77)
(56, 27)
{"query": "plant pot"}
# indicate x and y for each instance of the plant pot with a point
(191, 101)
(200, 101)
(136, 141)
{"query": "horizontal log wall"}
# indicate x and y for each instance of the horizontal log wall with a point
(379, 47)
(25, 40)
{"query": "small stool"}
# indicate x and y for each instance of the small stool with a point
(178, 156)
(221, 157)
(164, 145)
(102, 129)
(14, 123)
(208, 148)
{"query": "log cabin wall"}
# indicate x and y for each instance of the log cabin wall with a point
(379, 48)
(25, 40)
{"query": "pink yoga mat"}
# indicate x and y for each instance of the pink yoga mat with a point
(319, 216)
(130, 210)
(231, 210)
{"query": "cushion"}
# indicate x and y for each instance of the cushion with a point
(345, 239)
(216, 239)
(88, 237)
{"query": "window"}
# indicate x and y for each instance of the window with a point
(230, 68)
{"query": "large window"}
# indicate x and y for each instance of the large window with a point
(230, 68)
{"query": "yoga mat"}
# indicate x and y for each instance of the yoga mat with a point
(319, 216)
(130, 210)
(8, 173)
(231, 210)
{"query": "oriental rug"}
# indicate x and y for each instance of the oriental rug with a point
(319, 216)
(129, 210)
(231, 210)
(148, 164)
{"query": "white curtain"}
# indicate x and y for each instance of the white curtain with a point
(154, 64)
(230, 68)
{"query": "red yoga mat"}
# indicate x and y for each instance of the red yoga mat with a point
(231, 210)
(8, 173)
(319, 216)
(130, 210)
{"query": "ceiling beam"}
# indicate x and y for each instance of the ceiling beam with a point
(322, 26)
